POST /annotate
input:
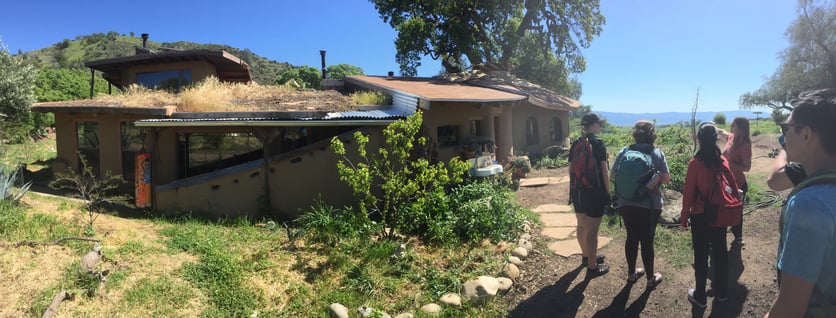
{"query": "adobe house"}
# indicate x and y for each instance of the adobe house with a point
(222, 163)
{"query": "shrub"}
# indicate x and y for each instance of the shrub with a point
(720, 119)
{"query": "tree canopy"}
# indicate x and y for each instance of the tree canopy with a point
(17, 82)
(340, 71)
(808, 63)
(525, 34)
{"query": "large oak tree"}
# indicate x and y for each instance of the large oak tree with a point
(808, 63)
(539, 40)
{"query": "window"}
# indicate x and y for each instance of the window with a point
(531, 132)
(132, 143)
(87, 141)
(475, 128)
(448, 135)
(172, 80)
(200, 153)
(555, 129)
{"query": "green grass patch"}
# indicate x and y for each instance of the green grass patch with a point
(675, 246)
(17, 225)
(157, 297)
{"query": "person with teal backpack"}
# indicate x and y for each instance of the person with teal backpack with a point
(807, 245)
(638, 172)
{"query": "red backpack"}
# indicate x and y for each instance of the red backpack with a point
(723, 205)
(583, 168)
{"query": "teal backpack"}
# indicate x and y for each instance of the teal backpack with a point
(633, 170)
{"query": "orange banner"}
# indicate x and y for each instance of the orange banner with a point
(143, 180)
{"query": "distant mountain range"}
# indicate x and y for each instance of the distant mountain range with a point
(668, 118)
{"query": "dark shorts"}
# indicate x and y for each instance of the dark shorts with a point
(590, 202)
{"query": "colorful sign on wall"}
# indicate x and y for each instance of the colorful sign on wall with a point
(143, 180)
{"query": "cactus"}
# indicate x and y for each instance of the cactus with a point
(8, 178)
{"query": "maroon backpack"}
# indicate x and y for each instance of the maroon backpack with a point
(583, 168)
(723, 205)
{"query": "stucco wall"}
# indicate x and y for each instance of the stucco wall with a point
(297, 179)
(460, 114)
(542, 116)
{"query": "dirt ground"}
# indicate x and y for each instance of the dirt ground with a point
(554, 286)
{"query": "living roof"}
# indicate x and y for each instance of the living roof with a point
(229, 68)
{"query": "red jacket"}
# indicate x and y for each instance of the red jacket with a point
(699, 179)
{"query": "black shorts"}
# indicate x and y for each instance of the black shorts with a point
(591, 202)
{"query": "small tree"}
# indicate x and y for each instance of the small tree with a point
(96, 192)
(720, 119)
(387, 182)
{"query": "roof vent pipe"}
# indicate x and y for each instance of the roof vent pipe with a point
(144, 38)
(322, 56)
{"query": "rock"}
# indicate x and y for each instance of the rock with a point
(337, 310)
(451, 299)
(505, 284)
(520, 252)
(514, 260)
(431, 309)
(671, 207)
(482, 287)
(525, 236)
(511, 271)
(91, 260)
(525, 244)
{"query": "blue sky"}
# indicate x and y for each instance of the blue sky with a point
(652, 55)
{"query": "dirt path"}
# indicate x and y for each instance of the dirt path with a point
(554, 286)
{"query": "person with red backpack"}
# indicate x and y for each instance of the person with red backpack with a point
(589, 190)
(711, 202)
(638, 172)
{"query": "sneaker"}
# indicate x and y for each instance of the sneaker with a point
(599, 270)
(694, 300)
(598, 260)
(738, 241)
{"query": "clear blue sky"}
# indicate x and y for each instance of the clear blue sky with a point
(651, 56)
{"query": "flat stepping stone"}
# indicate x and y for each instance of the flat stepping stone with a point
(570, 247)
(552, 207)
(559, 219)
(559, 232)
(534, 182)
(563, 179)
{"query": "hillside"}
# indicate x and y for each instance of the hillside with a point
(73, 53)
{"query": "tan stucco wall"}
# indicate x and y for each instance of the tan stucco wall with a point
(460, 114)
(543, 116)
(297, 180)
(110, 143)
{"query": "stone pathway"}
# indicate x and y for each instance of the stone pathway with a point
(559, 221)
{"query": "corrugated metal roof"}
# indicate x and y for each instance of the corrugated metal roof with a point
(368, 117)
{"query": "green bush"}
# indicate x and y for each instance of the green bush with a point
(720, 119)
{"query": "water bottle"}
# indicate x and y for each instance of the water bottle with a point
(653, 181)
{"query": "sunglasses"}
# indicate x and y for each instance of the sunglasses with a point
(785, 126)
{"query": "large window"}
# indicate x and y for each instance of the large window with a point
(531, 132)
(200, 153)
(87, 141)
(172, 80)
(132, 144)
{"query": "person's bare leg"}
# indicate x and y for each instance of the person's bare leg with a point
(581, 235)
(592, 225)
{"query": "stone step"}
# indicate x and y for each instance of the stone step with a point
(570, 247)
(552, 207)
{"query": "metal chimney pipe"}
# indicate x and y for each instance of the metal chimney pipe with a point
(144, 39)
(322, 56)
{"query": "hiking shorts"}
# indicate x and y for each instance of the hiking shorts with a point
(591, 202)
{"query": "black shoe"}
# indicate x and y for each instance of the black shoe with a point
(598, 260)
(599, 270)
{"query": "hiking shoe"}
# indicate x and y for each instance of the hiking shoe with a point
(598, 260)
(632, 278)
(599, 270)
(694, 300)
(738, 241)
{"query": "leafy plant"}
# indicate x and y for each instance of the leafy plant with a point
(387, 182)
(720, 119)
(96, 192)
(8, 180)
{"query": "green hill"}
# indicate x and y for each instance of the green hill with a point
(72, 54)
